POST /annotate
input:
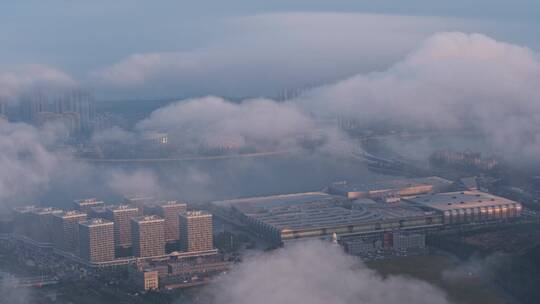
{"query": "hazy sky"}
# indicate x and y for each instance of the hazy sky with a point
(237, 48)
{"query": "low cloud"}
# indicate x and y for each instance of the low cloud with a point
(16, 81)
(11, 293)
(135, 183)
(452, 82)
(260, 124)
(316, 272)
(26, 161)
(267, 53)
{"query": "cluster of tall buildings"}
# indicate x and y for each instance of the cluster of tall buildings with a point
(97, 233)
(74, 109)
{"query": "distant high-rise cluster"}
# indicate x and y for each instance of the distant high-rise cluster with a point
(74, 109)
(101, 234)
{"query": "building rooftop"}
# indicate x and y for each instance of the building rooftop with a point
(459, 200)
(197, 213)
(277, 199)
(169, 203)
(46, 210)
(88, 201)
(325, 213)
(391, 184)
(70, 213)
(147, 219)
(96, 222)
(24, 209)
(469, 182)
(138, 199)
(99, 208)
(122, 207)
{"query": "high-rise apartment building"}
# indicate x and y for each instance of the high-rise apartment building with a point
(21, 219)
(98, 212)
(196, 231)
(96, 240)
(141, 202)
(121, 216)
(85, 205)
(66, 230)
(41, 224)
(169, 212)
(148, 236)
(75, 107)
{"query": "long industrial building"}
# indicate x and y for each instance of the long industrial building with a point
(417, 204)
(390, 188)
(296, 216)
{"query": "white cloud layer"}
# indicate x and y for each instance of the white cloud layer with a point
(453, 81)
(27, 165)
(262, 124)
(265, 54)
(16, 81)
(317, 273)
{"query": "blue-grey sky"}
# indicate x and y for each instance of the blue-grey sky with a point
(238, 47)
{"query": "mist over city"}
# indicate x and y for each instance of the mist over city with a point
(310, 152)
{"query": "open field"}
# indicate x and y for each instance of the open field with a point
(462, 284)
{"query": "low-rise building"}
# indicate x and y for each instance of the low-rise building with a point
(144, 279)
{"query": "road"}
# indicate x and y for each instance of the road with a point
(187, 158)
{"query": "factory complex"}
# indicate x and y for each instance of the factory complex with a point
(166, 245)
(387, 206)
